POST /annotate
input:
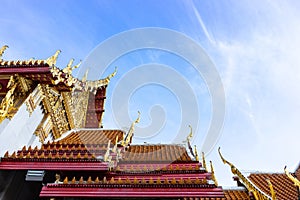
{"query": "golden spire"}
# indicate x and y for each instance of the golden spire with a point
(213, 177)
(52, 60)
(259, 195)
(131, 130)
(2, 51)
(292, 178)
(203, 161)
(196, 154)
(68, 70)
(112, 74)
(271, 189)
(189, 137)
(84, 78)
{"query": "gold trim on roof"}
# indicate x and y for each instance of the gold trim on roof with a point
(189, 137)
(51, 61)
(7, 103)
(258, 194)
(3, 48)
(271, 189)
(292, 178)
(196, 154)
(203, 161)
(131, 130)
(213, 177)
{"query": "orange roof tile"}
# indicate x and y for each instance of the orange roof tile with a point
(93, 137)
(236, 194)
(156, 153)
(283, 186)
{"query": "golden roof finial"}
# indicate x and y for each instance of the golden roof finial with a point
(292, 178)
(2, 51)
(112, 74)
(196, 154)
(271, 189)
(213, 177)
(52, 60)
(84, 78)
(189, 137)
(131, 130)
(259, 194)
(203, 161)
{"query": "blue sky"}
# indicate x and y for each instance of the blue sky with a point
(254, 45)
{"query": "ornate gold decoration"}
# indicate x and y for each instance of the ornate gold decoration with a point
(34, 99)
(203, 161)
(7, 104)
(258, 194)
(79, 102)
(292, 178)
(53, 104)
(271, 189)
(213, 177)
(51, 61)
(68, 103)
(68, 70)
(131, 129)
(92, 86)
(3, 48)
(44, 128)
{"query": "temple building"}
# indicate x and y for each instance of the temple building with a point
(54, 146)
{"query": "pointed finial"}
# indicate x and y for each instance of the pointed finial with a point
(3, 48)
(76, 66)
(84, 78)
(292, 178)
(113, 74)
(189, 137)
(196, 154)
(131, 130)
(203, 161)
(213, 177)
(52, 60)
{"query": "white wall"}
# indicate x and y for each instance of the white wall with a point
(18, 131)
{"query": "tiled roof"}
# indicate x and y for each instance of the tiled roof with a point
(80, 148)
(95, 137)
(236, 194)
(229, 195)
(283, 186)
(124, 191)
(156, 153)
(297, 172)
(158, 181)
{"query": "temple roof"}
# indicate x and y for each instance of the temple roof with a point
(156, 153)
(283, 186)
(230, 194)
(92, 136)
